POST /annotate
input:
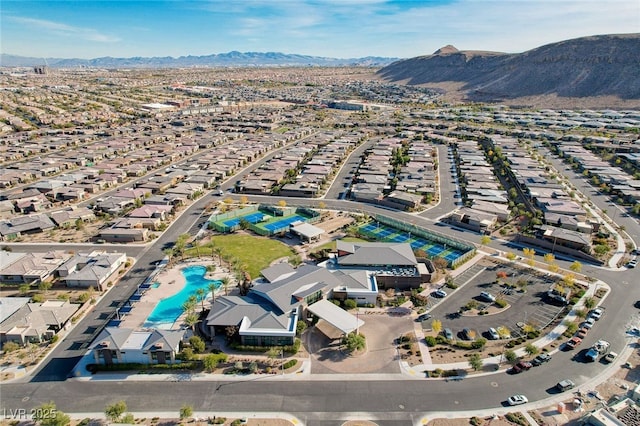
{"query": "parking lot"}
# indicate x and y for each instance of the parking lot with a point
(524, 306)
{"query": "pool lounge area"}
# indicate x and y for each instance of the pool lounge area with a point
(158, 304)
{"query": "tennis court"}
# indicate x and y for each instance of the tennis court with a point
(284, 222)
(251, 218)
(387, 233)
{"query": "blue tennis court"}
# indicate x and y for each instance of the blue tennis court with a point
(283, 223)
(251, 218)
(387, 233)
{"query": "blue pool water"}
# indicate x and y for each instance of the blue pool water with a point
(251, 218)
(168, 310)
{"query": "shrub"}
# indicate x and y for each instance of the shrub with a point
(479, 343)
(350, 304)
(11, 347)
(501, 303)
(462, 345)
(197, 344)
(430, 341)
(289, 364)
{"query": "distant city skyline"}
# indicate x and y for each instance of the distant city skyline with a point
(329, 28)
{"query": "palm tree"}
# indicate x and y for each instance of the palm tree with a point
(225, 283)
(201, 293)
(191, 320)
(212, 288)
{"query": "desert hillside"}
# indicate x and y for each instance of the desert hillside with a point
(605, 67)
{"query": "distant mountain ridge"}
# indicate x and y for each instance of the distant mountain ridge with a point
(230, 59)
(603, 65)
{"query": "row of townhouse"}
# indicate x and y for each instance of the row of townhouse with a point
(376, 183)
(620, 184)
(486, 200)
(565, 220)
(329, 152)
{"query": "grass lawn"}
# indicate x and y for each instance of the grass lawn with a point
(255, 252)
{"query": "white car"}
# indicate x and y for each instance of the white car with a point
(488, 297)
(440, 293)
(596, 314)
(517, 400)
(588, 323)
(493, 334)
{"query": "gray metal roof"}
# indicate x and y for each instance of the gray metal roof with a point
(363, 253)
(336, 316)
(281, 292)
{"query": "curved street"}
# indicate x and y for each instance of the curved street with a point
(323, 398)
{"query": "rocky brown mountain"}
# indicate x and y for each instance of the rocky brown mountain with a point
(596, 66)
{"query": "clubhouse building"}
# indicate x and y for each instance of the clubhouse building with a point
(268, 315)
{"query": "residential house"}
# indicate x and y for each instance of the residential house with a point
(36, 322)
(116, 345)
(91, 269)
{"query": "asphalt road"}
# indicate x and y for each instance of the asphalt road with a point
(320, 401)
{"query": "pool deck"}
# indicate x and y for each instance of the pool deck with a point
(171, 282)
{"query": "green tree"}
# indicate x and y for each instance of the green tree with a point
(301, 326)
(484, 240)
(531, 349)
(115, 411)
(197, 344)
(24, 289)
(225, 284)
(212, 288)
(511, 256)
(273, 353)
(44, 286)
(354, 341)
(200, 294)
(210, 362)
(191, 320)
(475, 362)
(510, 356)
(48, 415)
(186, 411)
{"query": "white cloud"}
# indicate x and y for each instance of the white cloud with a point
(58, 28)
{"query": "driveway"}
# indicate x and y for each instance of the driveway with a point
(380, 356)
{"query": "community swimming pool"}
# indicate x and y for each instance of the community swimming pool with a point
(168, 310)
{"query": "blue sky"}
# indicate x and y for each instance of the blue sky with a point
(332, 28)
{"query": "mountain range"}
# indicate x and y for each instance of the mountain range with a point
(230, 59)
(594, 66)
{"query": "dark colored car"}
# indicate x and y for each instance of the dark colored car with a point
(521, 366)
(541, 359)
(423, 317)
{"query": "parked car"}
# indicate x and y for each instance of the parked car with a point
(588, 323)
(541, 359)
(573, 342)
(493, 334)
(632, 263)
(565, 385)
(517, 400)
(521, 366)
(440, 293)
(423, 317)
(596, 314)
(608, 358)
(487, 297)
(469, 334)
(582, 333)
(448, 334)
